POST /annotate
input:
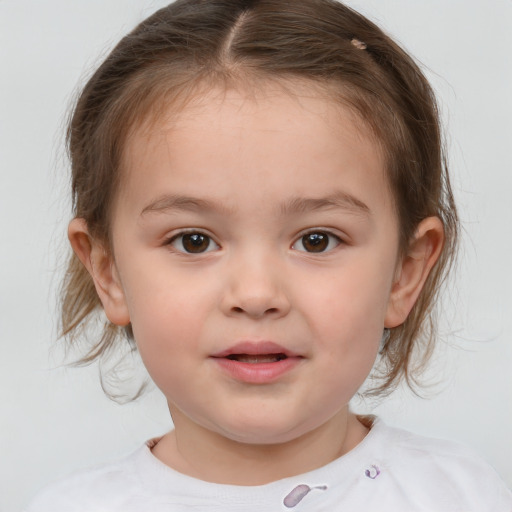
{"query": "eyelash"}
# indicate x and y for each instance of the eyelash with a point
(318, 238)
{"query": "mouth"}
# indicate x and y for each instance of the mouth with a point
(257, 362)
(257, 358)
(256, 352)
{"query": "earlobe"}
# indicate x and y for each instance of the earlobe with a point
(414, 268)
(100, 266)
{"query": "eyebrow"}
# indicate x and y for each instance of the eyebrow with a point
(337, 200)
(168, 203)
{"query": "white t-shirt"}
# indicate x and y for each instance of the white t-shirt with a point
(391, 470)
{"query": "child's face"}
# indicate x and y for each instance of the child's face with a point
(257, 226)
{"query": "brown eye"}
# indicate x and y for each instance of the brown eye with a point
(317, 241)
(193, 243)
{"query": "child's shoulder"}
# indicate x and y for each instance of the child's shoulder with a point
(84, 490)
(408, 445)
(436, 469)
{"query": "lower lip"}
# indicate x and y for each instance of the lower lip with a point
(257, 373)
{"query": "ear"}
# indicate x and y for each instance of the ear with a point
(413, 270)
(102, 269)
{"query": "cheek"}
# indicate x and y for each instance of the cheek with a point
(352, 303)
(166, 326)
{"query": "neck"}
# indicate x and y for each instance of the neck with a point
(206, 455)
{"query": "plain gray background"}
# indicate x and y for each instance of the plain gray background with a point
(54, 419)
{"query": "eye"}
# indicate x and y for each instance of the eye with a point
(317, 241)
(193, 243)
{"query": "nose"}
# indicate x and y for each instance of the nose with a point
(255, 289)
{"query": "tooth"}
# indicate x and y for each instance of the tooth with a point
(256, 358)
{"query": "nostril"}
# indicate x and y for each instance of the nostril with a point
(238, 309)
(255, 303)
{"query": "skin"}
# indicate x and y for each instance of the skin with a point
(247, 162)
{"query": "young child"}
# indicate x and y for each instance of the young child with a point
(262, 206)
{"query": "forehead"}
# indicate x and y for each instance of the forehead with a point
(281, 101)
(253, 137)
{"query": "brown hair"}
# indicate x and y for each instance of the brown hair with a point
(193, 43)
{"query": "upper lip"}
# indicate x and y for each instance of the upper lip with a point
(254, 348)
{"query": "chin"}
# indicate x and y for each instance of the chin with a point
(262, 438)
(264, 431)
